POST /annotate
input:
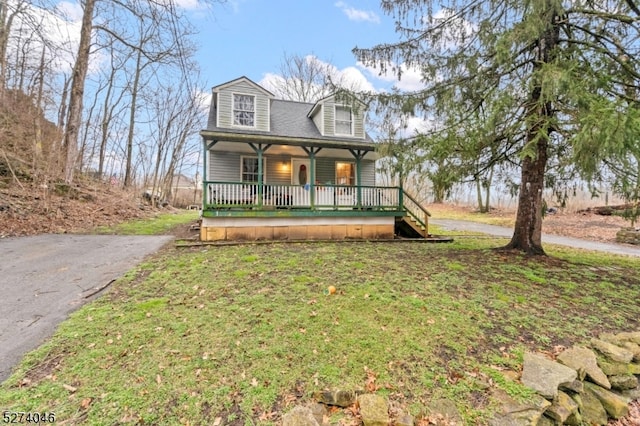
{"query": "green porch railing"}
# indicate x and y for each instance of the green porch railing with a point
(239, 195)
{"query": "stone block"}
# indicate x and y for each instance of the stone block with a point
(613, 352)
(373, 410)
(562, 408)
(584, 361)
(593, 413)
(623, 382)
(544, 376)
(299, 416)
(615, 405)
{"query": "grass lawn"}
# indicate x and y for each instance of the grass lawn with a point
(160, 224)
(243, 333)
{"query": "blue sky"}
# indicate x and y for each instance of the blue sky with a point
(250, 37)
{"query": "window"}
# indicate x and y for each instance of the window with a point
(250, 169)
(343, 120)
(244, 110)
(345, 173)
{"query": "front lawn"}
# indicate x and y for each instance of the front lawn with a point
(241, 334)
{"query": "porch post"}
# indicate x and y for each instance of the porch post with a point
(259, 150)
(205, 176)
(311, 152)
(359, 155)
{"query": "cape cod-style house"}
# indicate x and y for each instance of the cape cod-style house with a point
(276, 169)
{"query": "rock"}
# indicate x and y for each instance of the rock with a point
(611, 351)
(374, 410)
(575, 419)
(544, 376)
(404, 420)
(633, 337)
(631, 394)
(634, 348)
(299, 416)
(593, 413)
(584, 361)
(445, 409)
(340, 398)
(624, 382)
(319, 411)
(514, 413)
(576, 386)
(561, 408)
(611, 368)
(546, 421)
(615, 405)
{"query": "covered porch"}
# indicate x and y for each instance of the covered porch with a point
(270, 187)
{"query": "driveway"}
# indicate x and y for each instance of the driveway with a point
(501, 231)
(43, 278)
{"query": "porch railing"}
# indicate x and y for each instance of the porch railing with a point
(234, 195)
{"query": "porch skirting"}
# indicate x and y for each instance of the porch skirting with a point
(296, 228)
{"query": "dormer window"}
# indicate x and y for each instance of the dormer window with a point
(244, 110)
(344, 120)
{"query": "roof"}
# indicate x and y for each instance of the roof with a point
(289, 120)
(245, 79)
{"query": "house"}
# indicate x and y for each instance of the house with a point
(276, 169)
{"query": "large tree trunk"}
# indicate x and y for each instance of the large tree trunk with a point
(527, 234)
(77, 92)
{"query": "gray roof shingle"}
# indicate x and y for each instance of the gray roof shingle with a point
(288, 119)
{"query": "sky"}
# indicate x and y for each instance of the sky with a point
(250, 38)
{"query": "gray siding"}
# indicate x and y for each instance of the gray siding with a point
(329, 122)
(225, 167)
(358, 122)
(368, 172)
(225, 106)
(317, 120)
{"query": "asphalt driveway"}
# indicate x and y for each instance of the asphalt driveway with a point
(43, 278)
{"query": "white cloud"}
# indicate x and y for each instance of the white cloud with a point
(357, 14)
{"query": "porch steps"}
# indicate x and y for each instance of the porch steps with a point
(408, 227)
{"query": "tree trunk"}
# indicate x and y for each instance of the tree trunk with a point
(77, 92)
(132, 119)
(527, 235)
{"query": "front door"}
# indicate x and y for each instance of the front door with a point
(300, 171)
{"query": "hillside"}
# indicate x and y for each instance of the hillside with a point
(28, 209)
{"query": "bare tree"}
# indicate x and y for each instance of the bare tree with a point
(77, 92)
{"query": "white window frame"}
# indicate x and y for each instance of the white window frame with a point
(264, 168)
(234, 109)
(336, 120)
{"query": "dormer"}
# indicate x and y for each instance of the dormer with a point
(243, 105)
(343, 118)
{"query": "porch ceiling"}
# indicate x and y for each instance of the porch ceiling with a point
(239, 142)
(289, 151)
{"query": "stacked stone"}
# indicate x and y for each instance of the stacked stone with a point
(628, 236)
(585, 385)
